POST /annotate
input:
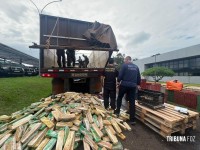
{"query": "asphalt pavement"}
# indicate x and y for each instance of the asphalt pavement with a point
(143, 138)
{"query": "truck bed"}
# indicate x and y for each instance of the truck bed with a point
(71, 72)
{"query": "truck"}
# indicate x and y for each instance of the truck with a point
(64, 33)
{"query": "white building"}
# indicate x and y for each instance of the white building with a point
(184, 62)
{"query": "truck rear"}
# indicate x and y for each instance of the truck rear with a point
(86, 37)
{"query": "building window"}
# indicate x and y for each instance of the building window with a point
(171, 64)
(189, 66)
(175, 64)
(198, 63)
(176, 74)
(180, 64)
(193, 60)
(181, 73)
(185, 63)
(192, 63)
(166, 64)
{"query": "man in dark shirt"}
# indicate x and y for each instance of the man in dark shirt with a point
(110, 74)
(80, 61)
(129, 79)
(60, 54)
(86, 61)
(71, 57)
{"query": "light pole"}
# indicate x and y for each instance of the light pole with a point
(48, 4)
(155, 65)
(155, 57)
(40, 12)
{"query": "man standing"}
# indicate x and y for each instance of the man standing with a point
(86, 61)
(80, 61)
(110, 74)
(71, 57)
(60, 54)
(129, 79)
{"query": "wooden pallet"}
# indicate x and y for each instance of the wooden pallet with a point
(166, 121)
(158, 124)
(191, 119)
(192, 114)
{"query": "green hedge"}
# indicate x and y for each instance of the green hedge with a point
(170, 94)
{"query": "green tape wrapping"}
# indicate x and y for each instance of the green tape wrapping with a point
(51, 133)
(50, 116)
(66, 130)
(83, 130)
(50, 144)
(118, 146)
(95, 120)
(42, 127)
(73, 105)
(95, 135)
(63, 109)
(76, 144)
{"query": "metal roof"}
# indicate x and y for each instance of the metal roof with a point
(12, 54)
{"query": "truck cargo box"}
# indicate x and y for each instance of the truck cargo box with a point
(95, 39)
(57, 32)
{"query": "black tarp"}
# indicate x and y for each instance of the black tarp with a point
(101, 35)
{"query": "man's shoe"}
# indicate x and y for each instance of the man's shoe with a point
(132, 123)
(111, 108)
(128, 112)
(116, 112)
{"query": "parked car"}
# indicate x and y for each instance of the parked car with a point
(30, 72)
(36, 71)
(8, 68)
(11, 71)
(16, 71)
(4, 67)
(2, 72)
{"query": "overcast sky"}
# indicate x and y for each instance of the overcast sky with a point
(142, 27)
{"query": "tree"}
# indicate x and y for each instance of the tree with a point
(157, 73)
(119, 60)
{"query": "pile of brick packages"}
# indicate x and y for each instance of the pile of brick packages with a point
(65, 121)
